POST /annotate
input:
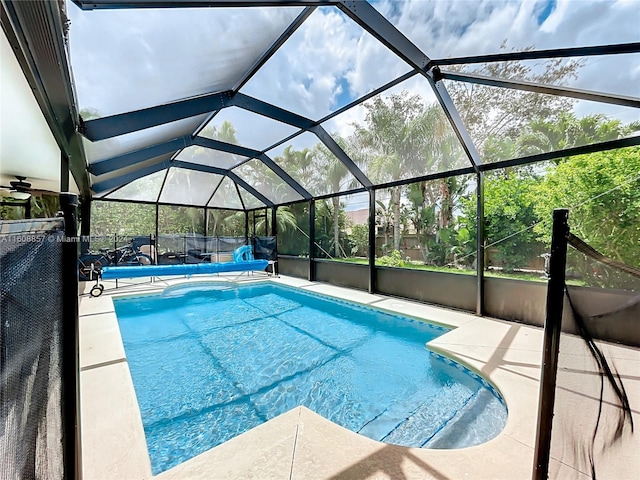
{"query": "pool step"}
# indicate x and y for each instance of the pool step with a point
(481, 418)
(420, 424)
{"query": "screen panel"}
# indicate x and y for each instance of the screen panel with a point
(325, 65)
(265, 181)
(128, 59)
(189, 187)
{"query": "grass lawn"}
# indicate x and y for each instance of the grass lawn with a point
(533, 277)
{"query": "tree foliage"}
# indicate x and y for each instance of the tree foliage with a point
(225, 223)
(543, 135)
(602, 191)
(122, 219)
(501, 112)
(403, 137)
(391, 139)
(509, 209)
(294, 240)
(359, 238)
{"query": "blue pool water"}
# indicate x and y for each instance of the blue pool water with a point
(212, 360)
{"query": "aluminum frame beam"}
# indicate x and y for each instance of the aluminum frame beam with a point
(271, 111)
(64, 172)
(250, 153)
(365, 15)
(427, 178)
(244, 207)
(300, 19)
(128, 159)
(107, 4)
(312, 239)
(592, 96)
(115, 182)
(211, 198)
(620, 48)
(123, 123)
(222, 171)
(225, 147)
(458, 125)
(371, 251)
(480, 244)
(300, 190)
(136, 202)
(569, 152)
(369, 95)
(334, 148)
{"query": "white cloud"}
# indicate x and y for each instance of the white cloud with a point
(308, 67)
(327, 62)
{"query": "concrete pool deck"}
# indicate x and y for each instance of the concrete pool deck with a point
(300, 444)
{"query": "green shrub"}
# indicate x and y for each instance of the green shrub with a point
(392, 259)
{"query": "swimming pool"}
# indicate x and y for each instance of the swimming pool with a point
(212, 360)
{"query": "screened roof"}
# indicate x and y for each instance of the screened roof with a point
(247, 104)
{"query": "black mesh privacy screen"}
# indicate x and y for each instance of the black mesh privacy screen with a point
(30, 345)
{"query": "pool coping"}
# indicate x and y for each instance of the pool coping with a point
(301, 444)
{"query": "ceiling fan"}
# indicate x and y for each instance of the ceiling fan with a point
(19, 189)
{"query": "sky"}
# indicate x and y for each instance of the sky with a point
(123, 60)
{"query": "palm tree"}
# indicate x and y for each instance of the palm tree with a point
(422, 214)
(226, 222)
(319, 170)
(226, 133)
(284, 218)
(570, 131)
(335, 173)
(391, 138)
(299, 164)
(440, 151)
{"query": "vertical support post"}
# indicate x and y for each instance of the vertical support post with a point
(274, 221)
(157, 229)
(274, 233)
(312, 236)
(185, 257)
(64, 172)
(480, 260)
(70, 340)
(552, 329)
(206, 222)
(85, 225)
(246, 227)
(372, 241)
(253, 219)
(27, 208)
(266, 222)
